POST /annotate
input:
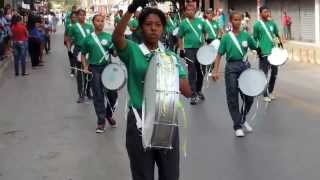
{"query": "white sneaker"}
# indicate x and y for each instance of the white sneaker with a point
(272, 96)
(210, 74)
(247, 127)
(71, 75)
(267, 99)
(239, 133)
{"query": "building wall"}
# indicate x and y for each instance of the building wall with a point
(302, 13)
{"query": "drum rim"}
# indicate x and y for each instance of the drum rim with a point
(122, 69)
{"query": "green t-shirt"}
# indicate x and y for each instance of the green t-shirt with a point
(67, 19)
(262, 38)
(137, 65)
(117, 19)
(214, 27)
(171, 25)
(133, 23)
(76, 35)
(228, 47)
(90, 47)
(68, 29)
(192, 39)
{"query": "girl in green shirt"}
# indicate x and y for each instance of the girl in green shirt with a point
(235, 45)
(98, 46)
(152, 22)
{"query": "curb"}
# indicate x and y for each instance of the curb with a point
(4, 64)
(303, 52)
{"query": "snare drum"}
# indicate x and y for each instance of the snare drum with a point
(278, 56)
(114, 76)
(252, 82)
(161, 94)
(207, 54)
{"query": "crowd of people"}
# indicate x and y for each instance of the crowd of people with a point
(135, 39)
(26, 33)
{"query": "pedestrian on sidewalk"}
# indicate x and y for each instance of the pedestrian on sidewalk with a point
(99, 47)
(286, 25)
(20, 44)
(35, 38)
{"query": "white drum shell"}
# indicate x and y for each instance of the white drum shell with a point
(114, 76)
(161, 93)
(252, 82)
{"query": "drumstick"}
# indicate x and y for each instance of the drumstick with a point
(80, 70)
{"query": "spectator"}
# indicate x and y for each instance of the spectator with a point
(286, 25)
(54, 23)
(245, 23)
(19, 37)
(35, 39)
(47, 39)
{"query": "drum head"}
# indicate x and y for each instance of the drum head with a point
(252, 82)
(278, 57)
(215, 44)
(206, 55)
(114, 76)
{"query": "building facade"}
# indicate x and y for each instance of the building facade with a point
(305, 14)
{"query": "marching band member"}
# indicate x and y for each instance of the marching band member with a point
(69, 44)
(169, 28)
(78, 33)
(212, 28)
(265, 32)
(235, 45)
(136, 58)
(190, 40)
(98, 45)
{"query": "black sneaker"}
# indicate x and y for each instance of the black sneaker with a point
(112, 122)
(201, 96)
(194, 100)
(80, 100)
(100, 129)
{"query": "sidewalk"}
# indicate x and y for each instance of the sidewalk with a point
(4, 64)
(303, 52)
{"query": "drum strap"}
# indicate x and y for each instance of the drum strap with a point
(195, 32)
(139, 119)
(97, 41)
(266, 30)
(236, 42)
(171, 22)
(81, 30)
(211, 29)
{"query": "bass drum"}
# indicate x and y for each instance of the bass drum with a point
(114, 76)
(161, 95)
(252, 82)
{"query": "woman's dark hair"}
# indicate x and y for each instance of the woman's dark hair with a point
(263, 8)
(15, 19)
(147, 11)
(247, 15)
(234, 13)
(95, 16)
(81, 11)
(73, 13)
